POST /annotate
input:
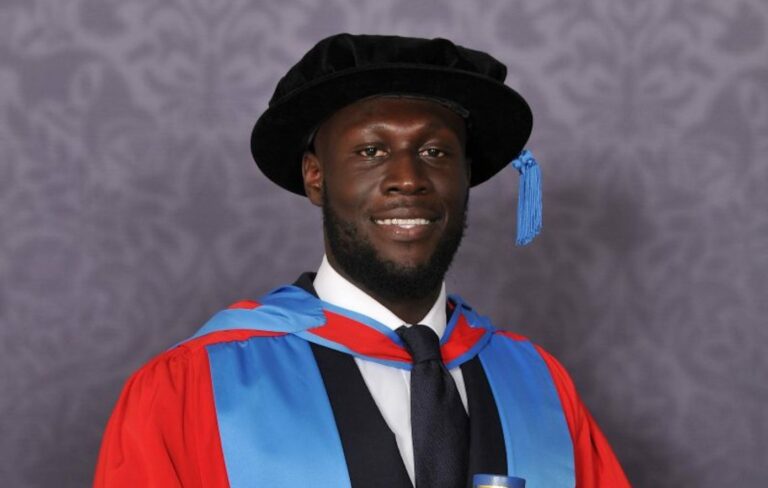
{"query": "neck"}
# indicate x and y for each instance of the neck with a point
(410, 309)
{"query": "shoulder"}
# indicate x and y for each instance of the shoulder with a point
(560, 377)
(163, 429)
(596, 463)
(285, 310)
(532, 354)
(186, 361)
(478, 321)
(165, 418)
(572, 404)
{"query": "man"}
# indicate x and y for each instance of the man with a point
(366, 374)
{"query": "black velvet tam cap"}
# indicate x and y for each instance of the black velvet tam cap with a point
(345, 68)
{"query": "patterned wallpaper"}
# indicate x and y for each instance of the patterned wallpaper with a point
(130, 209)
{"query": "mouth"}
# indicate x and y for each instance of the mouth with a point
(403, 226)
(405, 223)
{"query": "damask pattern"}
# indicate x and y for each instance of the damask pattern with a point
(131, 211)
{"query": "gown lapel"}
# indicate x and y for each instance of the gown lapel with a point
(370, 449)
(487, 451)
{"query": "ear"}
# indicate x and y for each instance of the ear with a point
(312, 172)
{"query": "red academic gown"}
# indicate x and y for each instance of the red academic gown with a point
(164, 430)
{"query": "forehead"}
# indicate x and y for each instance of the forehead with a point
(387, 111)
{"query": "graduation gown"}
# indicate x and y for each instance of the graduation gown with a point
(267, 393)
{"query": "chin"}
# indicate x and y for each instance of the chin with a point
(406, 261)
(393, 276)
(388, 270)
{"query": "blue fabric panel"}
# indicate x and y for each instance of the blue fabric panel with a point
(454, 317)
(287, 309)
(538, 442)
(275, 421)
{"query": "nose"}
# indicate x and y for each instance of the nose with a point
(406, 174)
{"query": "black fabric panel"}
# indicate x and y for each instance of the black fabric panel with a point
(305, 282)
(373, 459)
(487, 451)
(370, 448)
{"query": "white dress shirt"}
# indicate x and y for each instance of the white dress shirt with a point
(390, 387)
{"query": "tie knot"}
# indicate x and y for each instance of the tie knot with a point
(421, 342)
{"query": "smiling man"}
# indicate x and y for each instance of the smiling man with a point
(392, 178)
(365, 373)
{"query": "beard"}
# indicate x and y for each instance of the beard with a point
(381, 277)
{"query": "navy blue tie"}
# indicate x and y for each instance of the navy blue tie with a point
(439, 423)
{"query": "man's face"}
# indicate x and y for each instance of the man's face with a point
(393, 180)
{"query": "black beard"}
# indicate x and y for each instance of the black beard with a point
(383, 278)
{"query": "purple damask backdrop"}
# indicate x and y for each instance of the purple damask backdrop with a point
(131, 211)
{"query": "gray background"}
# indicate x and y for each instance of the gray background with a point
(131, 210)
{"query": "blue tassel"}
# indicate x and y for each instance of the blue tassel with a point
(529, 198)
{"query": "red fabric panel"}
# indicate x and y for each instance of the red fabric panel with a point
(463, 337)
(596, 464)
(370, 342)
(245, 304)
(163, 431)
(361, 339)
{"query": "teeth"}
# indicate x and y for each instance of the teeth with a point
(404, 223)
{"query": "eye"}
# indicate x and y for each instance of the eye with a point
(372, 152)
(432, 152)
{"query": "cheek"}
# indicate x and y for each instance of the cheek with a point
(348, 196)
(352, 188)
(454, 191)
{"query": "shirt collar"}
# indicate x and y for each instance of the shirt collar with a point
(333, 288)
